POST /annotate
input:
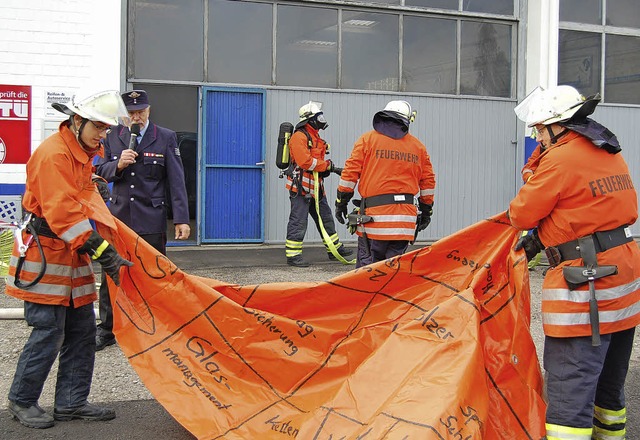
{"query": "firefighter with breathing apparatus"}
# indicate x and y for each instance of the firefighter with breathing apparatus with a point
(582, 201)
(307, 169)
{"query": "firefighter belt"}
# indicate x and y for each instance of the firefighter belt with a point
(589, 273)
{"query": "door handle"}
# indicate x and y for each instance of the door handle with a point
(261, 164)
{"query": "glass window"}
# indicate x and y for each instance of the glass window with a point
(581, 11)
(441, 4)
(429, 67)
(174, 107)
(370, 51)
(240, 39)
(579, 60)
(622, 72)
(625, 13)
(386, 2)
(489, 6)
(168, 40)
(485, 54)
(307, 47)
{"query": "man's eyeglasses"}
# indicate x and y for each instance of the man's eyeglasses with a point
(102, 127)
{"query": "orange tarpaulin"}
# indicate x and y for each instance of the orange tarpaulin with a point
(434, 344)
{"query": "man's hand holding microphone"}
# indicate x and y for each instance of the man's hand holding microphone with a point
(129, 155)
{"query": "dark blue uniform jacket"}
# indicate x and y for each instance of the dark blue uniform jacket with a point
(139, 192)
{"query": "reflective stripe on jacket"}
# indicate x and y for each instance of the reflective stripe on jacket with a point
(381, 165)
(577, 190)
(307, 159)
(68, 275)
(59, 189)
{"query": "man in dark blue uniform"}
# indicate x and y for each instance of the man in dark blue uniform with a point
(142, 167)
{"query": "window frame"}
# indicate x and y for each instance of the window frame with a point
(603, 30)
(400, 11)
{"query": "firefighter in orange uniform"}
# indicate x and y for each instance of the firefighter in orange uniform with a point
(582, 201)
(308, 151)
(59, 292)
(390, 167)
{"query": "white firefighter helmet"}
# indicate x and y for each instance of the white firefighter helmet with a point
(403, 108)
(555, 104)
(106, 107)
(309, 110)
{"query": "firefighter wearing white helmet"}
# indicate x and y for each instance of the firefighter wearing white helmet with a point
(308, 151)
(62, 200)
(390, 166)
(105, 107)
(311, 113)
(581, 201)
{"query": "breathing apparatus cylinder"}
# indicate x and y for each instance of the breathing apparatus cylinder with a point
(282, 154)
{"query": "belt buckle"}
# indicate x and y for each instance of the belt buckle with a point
(553, 255)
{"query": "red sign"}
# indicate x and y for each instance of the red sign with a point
(15, 123)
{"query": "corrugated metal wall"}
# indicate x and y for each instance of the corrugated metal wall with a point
(624, 121)
(470, 142)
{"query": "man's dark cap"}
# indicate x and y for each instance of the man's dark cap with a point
(135, 100)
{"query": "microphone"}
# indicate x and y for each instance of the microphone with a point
(135, 131)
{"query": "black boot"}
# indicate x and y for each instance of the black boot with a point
(31, 417)
(87, 412)
(297, 261)
(343, 251)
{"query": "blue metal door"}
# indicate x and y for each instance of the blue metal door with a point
(233, 163)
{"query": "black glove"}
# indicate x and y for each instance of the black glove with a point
(425, 216)
(103, 187)
(326, 173)
(105, 254)
(530, 243)
(337, 170)
(342, 201)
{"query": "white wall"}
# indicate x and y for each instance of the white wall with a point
(57, 46)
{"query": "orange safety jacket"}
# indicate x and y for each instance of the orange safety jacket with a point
(382, 165)
(577, 190)
(59, 189)
(308, 159)
(532, 163)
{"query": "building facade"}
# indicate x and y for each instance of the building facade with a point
(224, 74)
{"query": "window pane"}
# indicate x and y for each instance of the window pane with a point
(307, 47)
(240, 42)
(485, 67)
(175, 52)
(442, 4)
(370, 49)
(622, 69)
(625, 13)
(579, 59)
(174, 107)
(581, 11)
(490, 6)
(429, 67)
(386, 2)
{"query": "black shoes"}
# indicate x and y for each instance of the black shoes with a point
(103, 341)
(31, 417)
(86, 412)
(343, 251)
(297, 261)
